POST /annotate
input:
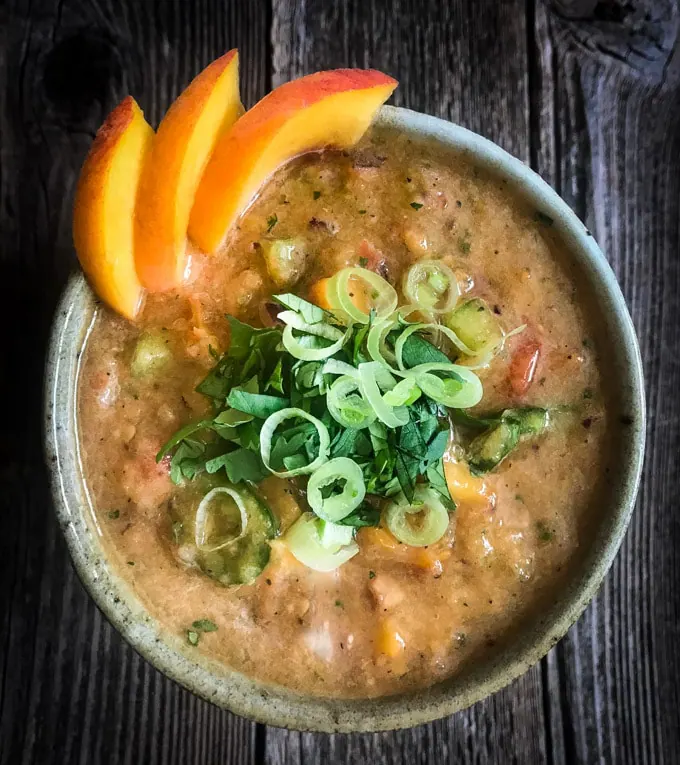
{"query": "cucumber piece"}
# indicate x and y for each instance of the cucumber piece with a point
(532, 420)
(241, 561)
(490, 448)
(152, 353)
(476, 325)
(285, 260)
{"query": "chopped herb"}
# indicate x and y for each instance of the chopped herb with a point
(272, 220)
(339, 604)
(204, 625)
(519, 498)
(416, 205)
(464, 245)
(371, 574)
(193, 637)
(114, 514)
(131, 563)
(541, 217)
(362, 212)
(316, 194)
(363, 262)
(545, 534)
(587, 393)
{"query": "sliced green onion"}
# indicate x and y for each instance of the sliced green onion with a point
(293, 345)
(333, 534)
(433, 518)
(404, 393)
(267, 433)
(203, 514)
(453, 337)
(465, 393)
(304, 541)
(383, 296)
(348, 407)
(320, 329)
(432, 286)
(375, 342)
(336, 506)
(393, 417)
(335, 367)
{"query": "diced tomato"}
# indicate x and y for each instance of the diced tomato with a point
(523, 366)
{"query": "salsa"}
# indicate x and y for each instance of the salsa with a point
(208, 491)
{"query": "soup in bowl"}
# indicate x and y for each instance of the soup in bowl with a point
(373, 456)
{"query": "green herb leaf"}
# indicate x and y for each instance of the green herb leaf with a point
(272, 220)
(240, 465)
(260, 405)
(416, 205)
(114, 514)
(192, 637)
(417, 350)
(311, 313)
(316, 194)
(204, 625)
(363, 262)
(364, 515)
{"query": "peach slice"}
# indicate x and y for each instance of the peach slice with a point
(179, 154)
(324, 109)
(103, 213)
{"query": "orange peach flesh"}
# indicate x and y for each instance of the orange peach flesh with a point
(179, 154)
(103, 214)
(324, 109)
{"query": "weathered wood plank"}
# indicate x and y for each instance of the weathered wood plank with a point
(71, 690)
(615, 157)
(467, 62)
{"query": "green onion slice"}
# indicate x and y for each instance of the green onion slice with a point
(267, 433)
(204, 512)
(373, 375)
(303, 539)
(346, 404)
(419, 524)
(333, 534)
(295, 346)
(375, 342)
(336, 506)
(383, 296)
(432, 286)
(453, 337)
(320, 329)
(460, 390)
(336, 367)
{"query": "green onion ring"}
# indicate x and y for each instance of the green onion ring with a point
(267, 433)
(384, 302)
(202, 517)
(304, 541)
(320, 329)
(393, 417)
(336, 367)
(470, 393)
(339, 401)
(424, 272)
(375, 342)
(336, 507)
(435, 523)
(292, 345)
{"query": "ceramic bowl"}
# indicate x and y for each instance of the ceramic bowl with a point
(277, 706)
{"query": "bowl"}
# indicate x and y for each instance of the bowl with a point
(278, 706)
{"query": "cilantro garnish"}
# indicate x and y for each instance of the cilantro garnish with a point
(272, 220)
(416, 205)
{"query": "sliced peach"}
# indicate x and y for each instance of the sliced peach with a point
(179, 154)
(324, 109)
(103, 213)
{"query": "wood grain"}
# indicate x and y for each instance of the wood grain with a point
(586, 91)
(72, 690)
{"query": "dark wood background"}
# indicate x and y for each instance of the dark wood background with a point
(589, 93)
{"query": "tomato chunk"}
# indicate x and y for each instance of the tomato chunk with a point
(523, 366)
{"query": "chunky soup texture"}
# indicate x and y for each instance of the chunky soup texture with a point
(387, 620)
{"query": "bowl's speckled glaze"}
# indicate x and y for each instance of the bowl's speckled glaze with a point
(277, 706)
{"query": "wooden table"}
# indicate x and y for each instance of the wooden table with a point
(589, 94)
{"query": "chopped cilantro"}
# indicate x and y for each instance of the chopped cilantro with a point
(272, 220)
(371, 574)
(362, 212)
(114, 514)
(464, 245)
(416, 205)
(339, 604)
(204, 625)
(193, 637)
(544, 532)
(316, 194)
(363, 262)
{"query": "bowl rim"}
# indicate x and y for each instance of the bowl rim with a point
(275, 705)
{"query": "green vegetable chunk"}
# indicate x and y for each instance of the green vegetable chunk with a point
(229, 534)
(489, 449)
(285, 260)
(532, 420)
(152, 353)
(476, 325)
